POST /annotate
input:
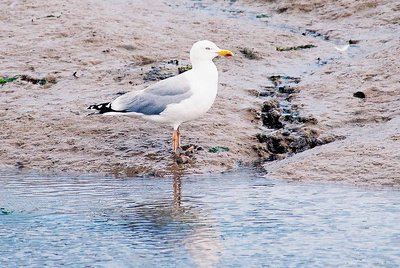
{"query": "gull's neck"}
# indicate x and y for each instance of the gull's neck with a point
(205, 73)
(204, 66)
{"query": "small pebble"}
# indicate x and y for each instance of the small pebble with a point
(353, 42)
(6, 211)
(359, 94)
(19, 165)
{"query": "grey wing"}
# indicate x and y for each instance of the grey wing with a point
(154, 99)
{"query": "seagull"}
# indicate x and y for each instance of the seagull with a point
(177, 99)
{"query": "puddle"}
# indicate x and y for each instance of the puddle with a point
(230, 220)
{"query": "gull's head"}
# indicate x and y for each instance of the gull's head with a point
(207, 50)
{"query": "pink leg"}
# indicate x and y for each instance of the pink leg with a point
(174, 141)
(178, 133)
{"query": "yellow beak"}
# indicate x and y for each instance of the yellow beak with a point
(225, 53)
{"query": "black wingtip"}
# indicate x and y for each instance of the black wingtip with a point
(102, 107)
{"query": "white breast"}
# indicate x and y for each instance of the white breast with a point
(204, 86)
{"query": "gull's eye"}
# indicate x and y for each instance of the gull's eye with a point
(208, 48)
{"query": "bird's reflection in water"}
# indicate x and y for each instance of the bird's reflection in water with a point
(177, 186)
(204, 240)
(180, 225)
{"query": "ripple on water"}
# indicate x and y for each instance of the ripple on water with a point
(229, 220)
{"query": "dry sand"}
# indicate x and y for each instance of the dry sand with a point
(110, 46)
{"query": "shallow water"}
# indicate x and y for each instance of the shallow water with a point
(230, 220)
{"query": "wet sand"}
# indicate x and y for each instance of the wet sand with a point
(95, 50)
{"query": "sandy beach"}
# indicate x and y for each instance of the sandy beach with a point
(295, 100)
